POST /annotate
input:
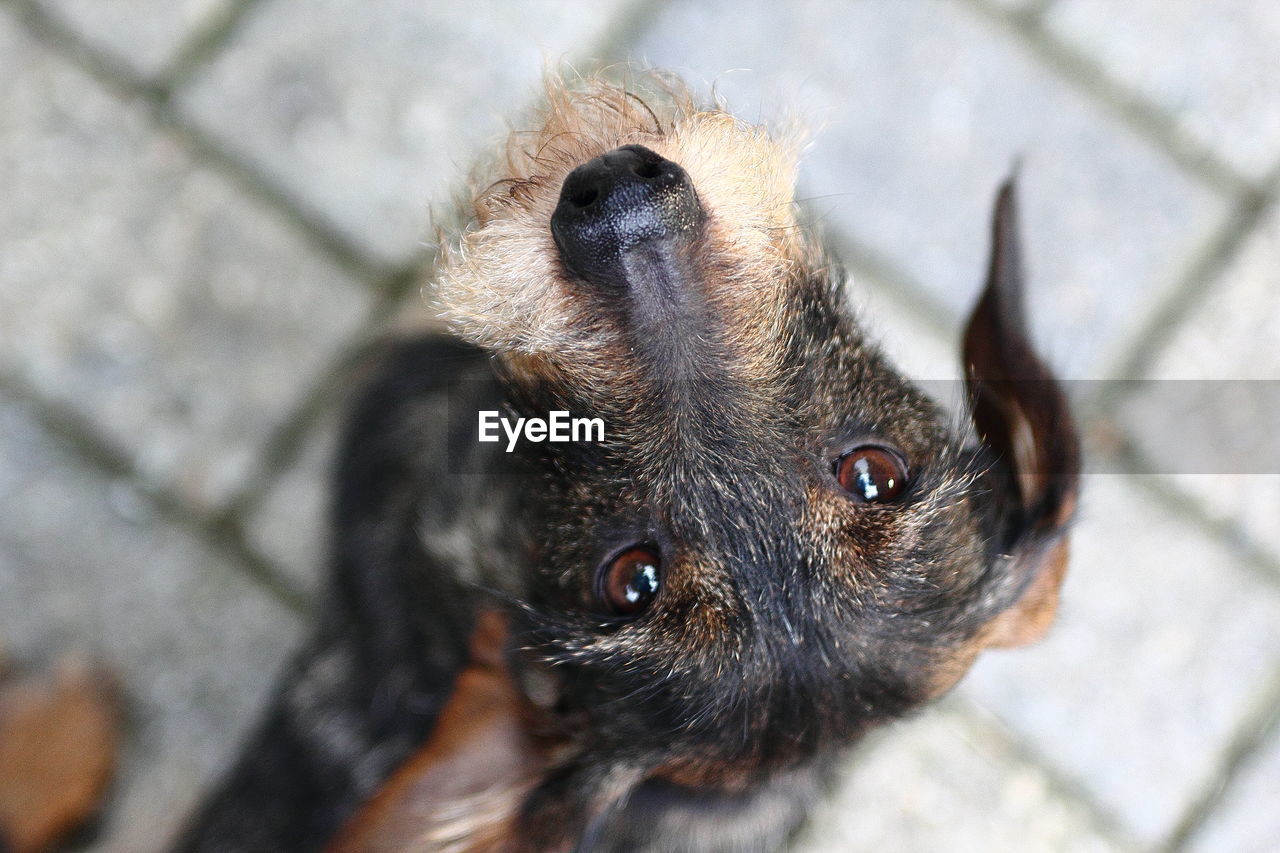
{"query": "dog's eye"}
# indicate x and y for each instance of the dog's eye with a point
(872, 474)
(630, 580)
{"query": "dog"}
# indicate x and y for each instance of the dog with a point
(668, 638)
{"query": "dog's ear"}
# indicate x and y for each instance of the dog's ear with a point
(1022, 417)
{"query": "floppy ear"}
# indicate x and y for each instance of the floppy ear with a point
(1022, 417)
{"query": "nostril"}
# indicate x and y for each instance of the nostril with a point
(584, 197)
(647, 170)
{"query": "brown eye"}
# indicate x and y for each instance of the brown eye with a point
(630, 580)
(872, 474)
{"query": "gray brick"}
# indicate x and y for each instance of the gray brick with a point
(1160, 644)
(144, 33)
(923, 111)
(84, 565)
(1248, 820)
(915, 348)
(1213, 65)
(934, 784)
(372, 111)
(144, 290)
(289, 525)
(1249, 503)
(1035, 6)
(1233, 334)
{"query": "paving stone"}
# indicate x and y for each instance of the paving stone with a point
(1161, 642)
(1234, 332)
(1248, 821)
(372, 111)
(922, 111)
(144, 33)
(146, 291)
(1037, 7)
(1018, 5)
(86, 566)
(289, 525)
(1214, 66)
(933, 784)
(1249, 501)
(914, 347)
(1218, 383)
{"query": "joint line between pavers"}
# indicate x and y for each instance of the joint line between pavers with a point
(204, 46)
(1193, 285)
(888, 278)
(98, 454)
(628, 26)
(1146, 118)
(287, 439)
(289, 436)
(1036, 9)
(1142, 472)
(56, 33)
(1061, 785)
(313, 226)
(1255, 732)
(1217, 251)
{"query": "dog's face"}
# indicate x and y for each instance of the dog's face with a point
(780, 541)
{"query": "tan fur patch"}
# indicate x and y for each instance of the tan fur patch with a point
(461, 792)
(501, 284)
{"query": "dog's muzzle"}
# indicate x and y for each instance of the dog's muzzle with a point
(625, 198)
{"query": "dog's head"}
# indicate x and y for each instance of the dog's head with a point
(780, 540)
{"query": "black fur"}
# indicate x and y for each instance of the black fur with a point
(367, 687)
(791, 616)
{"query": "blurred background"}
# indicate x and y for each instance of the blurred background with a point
(208, 208)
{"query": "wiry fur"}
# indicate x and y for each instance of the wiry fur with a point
(500, 283)
(790, 616)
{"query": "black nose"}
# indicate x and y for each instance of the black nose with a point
(611, 204)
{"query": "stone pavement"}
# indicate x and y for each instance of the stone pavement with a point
(207, 207)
